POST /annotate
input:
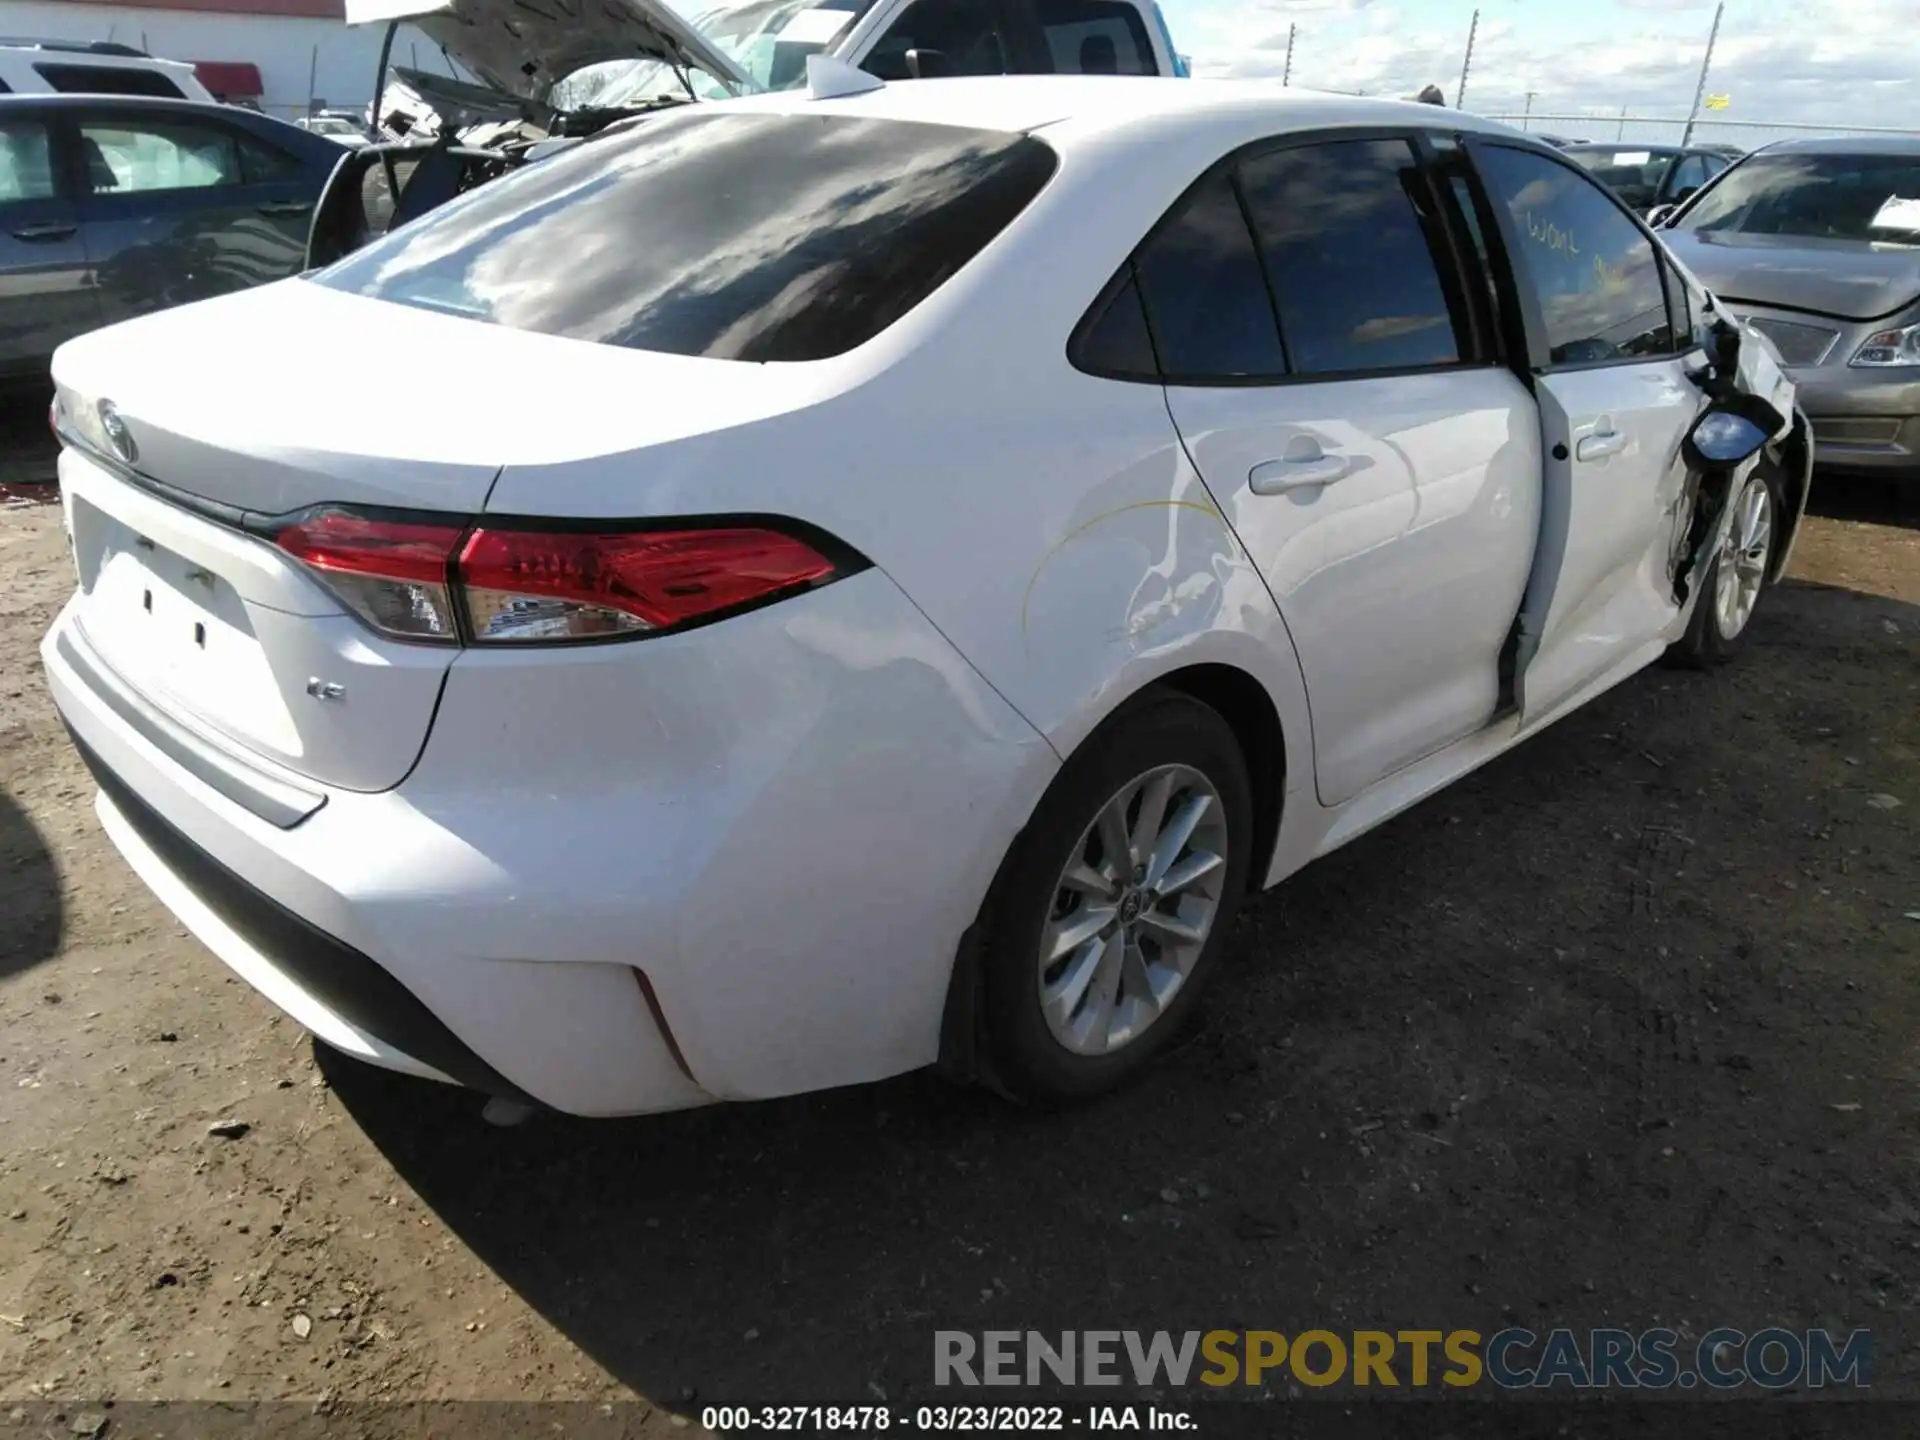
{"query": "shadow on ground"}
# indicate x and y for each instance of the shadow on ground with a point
(31, 909)
(1876, 501)
(1573, 1043)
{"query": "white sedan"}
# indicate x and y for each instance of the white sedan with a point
(873, 576)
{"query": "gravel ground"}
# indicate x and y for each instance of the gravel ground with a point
(1618, 1031)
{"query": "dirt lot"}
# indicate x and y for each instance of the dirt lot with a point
(1619, 1031)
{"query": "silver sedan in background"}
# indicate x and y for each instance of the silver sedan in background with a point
(1817, 244)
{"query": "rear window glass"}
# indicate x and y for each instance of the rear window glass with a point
(743, 237)
(1633, 175)
(108, 80)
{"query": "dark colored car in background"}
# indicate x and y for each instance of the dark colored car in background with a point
(1647, 176)
(111, 206)
(1817, 244)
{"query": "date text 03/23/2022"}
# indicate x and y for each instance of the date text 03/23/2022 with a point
(987, 1419)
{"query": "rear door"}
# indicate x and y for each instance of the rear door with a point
(46, 289)
(1325, 362)
(179, 207)
(1615, 403)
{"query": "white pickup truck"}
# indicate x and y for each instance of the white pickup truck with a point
(624, 52)
(542, 79)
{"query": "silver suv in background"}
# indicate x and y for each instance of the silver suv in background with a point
(94, 67)
(1817, 244)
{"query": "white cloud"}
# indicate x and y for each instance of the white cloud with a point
(1840, 62)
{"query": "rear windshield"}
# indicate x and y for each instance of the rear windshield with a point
(107, 80)
(739, 236)
(1816, 197)
(1633, 175)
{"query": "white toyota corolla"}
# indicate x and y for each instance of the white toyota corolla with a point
(871, 576)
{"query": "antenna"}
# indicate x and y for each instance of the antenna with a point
(830, 79)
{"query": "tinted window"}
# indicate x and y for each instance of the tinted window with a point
(1349, 233)
(108, 80)
(1113, 340)
(26, 161)
(954, 37)
(1095, 37)
(1825, 197)
(1206, 299)
(1592, 270)
(139, 156)
(261, 164)
(739, 236)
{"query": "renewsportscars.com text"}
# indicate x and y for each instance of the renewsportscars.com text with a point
(1725, 1358)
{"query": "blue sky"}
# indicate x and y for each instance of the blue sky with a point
(1812, 61)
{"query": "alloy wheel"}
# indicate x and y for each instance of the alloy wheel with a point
(1743, 558)
(1132, 910)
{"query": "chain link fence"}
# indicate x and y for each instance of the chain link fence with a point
(1661, 130)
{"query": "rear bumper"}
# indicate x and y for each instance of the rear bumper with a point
(726, 865)
(348, 998)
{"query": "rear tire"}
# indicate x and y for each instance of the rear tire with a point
(1737, 577)
(1109, 912)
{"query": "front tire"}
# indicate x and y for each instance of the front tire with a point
(1737, 577)
(1110, 910)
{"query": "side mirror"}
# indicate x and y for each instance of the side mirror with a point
(1657, 216)
(1731, 432)
(927, 64)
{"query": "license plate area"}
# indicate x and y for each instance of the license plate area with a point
(176, 629)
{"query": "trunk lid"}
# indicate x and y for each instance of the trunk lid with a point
(182, 593)
(1841, 279)
(526, 50)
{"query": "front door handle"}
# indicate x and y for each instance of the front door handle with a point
(286, 207)
(1277, 477)
(52, 230)
(1600, 445)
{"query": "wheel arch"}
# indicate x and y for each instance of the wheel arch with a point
(1239, 698)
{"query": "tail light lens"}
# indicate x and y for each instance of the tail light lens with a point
(446, 582)
(393, 574)
(536, 585)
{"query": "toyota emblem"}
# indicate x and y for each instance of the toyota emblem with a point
(118, 435)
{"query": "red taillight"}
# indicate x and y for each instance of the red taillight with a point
(555, 585)
(408, 578)
(394, 574)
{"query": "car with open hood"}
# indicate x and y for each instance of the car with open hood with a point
(543, 82)
(1817, 244)
(942, 547)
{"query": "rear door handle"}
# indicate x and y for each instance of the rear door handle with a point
(286, 207)
(1277, 477)
(1600, 445)
(52, 230)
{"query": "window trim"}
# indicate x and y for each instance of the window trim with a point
(1539, 356)
(1457, 258)
(1505, 320)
